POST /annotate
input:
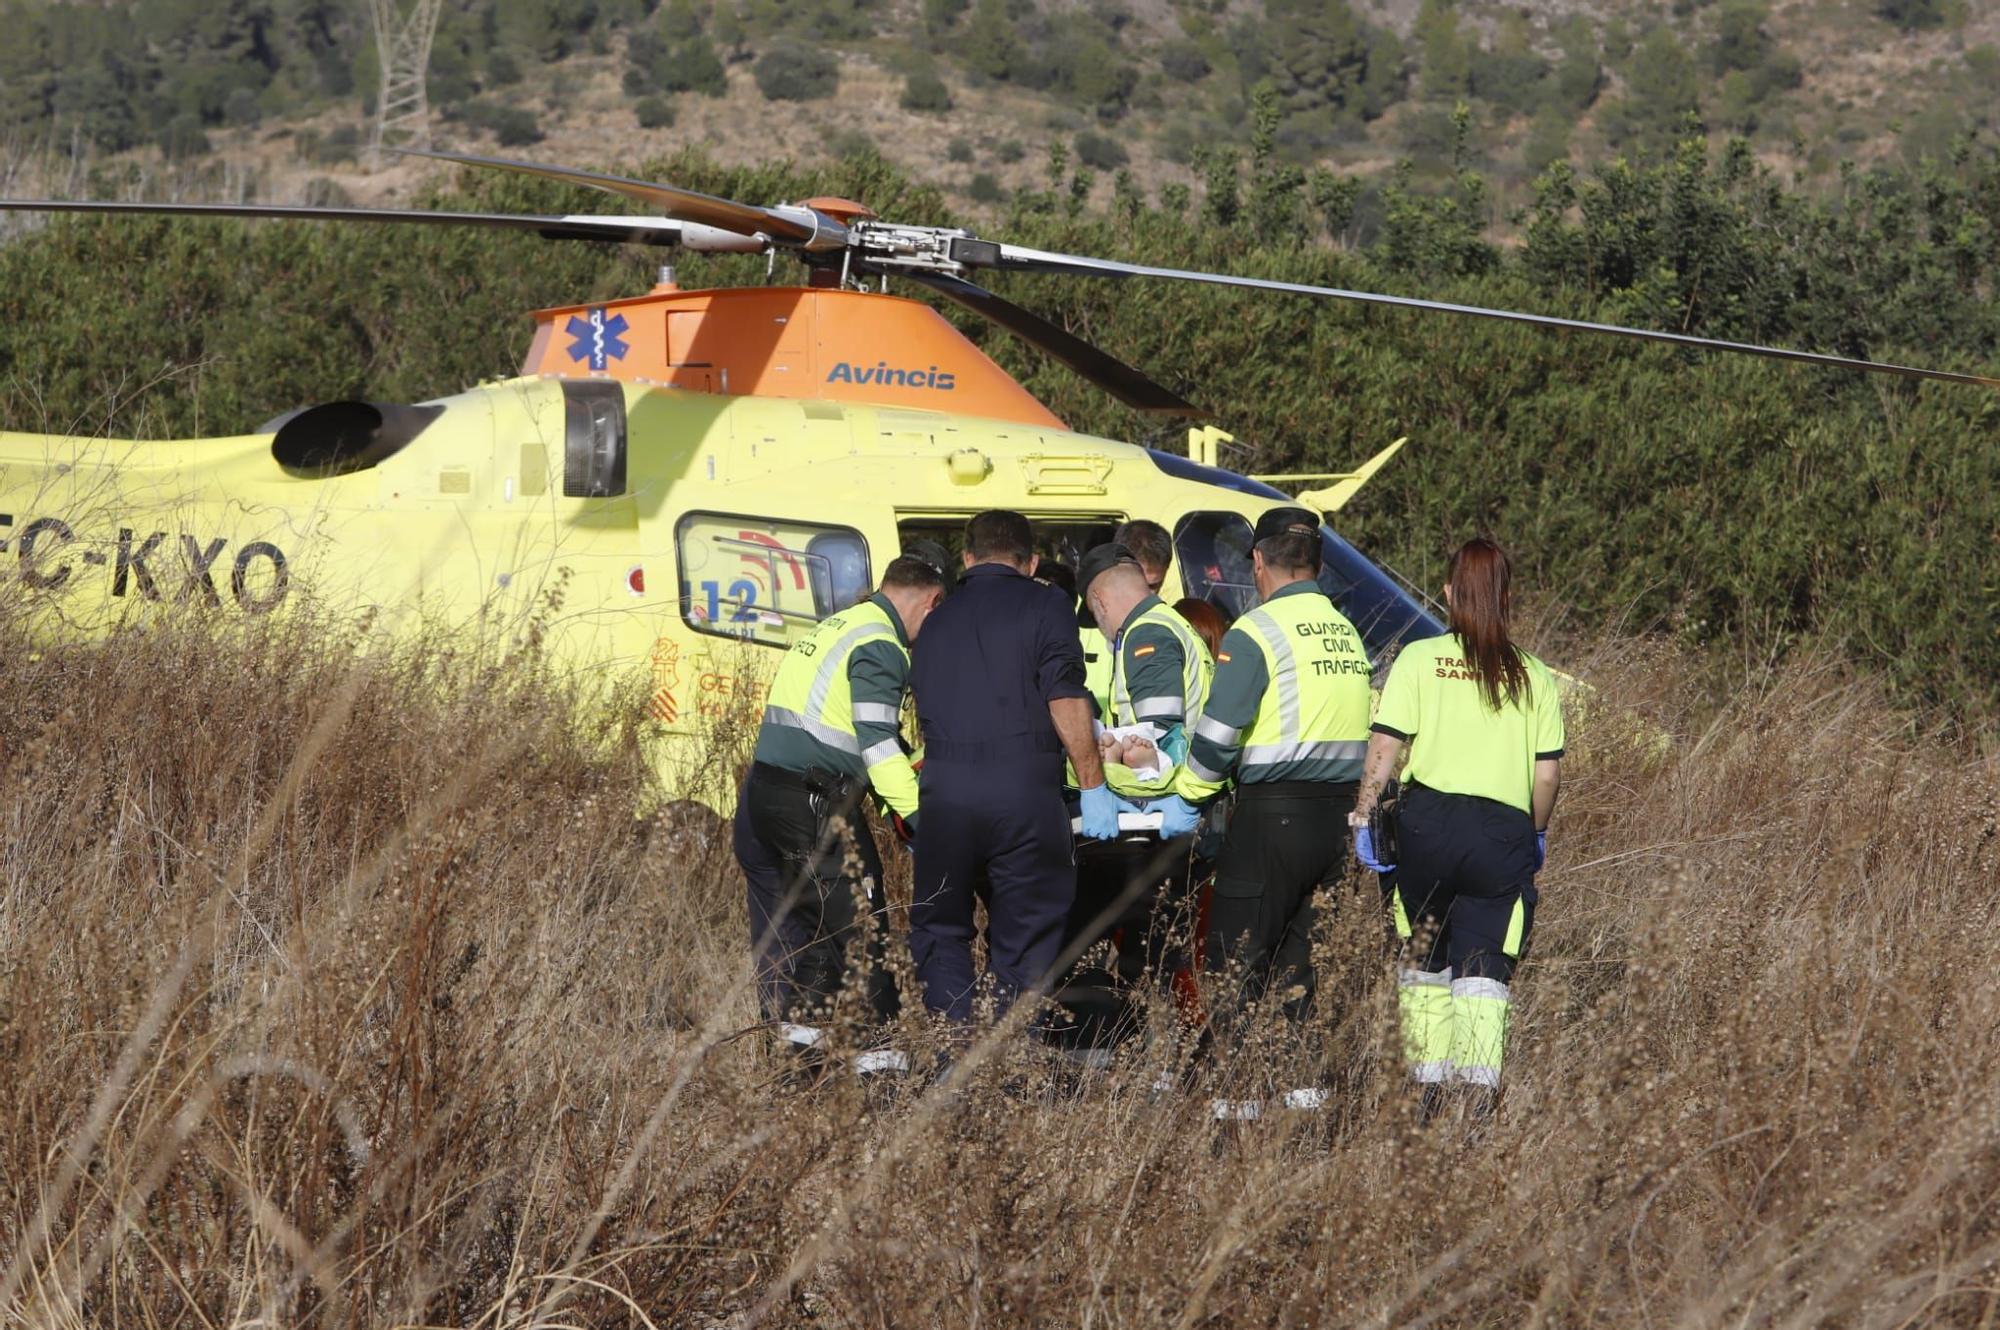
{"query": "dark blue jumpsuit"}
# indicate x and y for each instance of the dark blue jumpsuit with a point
(990, 660)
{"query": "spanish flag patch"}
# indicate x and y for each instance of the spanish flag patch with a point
(1143, 651)
(1221, 656)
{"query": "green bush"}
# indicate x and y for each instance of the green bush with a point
(654, 112)
(514, 126)
(985, 188)
(324, 193)
(1915, 14)
(243, 107)
(502, 69)
(851, 144)
(793, 73)
(342, 144)
(1009, 151)
(1184, 62)
(1100, 152)
(695, 66)
(925, 91)
(517, 127)
(690, 65)
(959, 150)
(182, 136)
(940, 15)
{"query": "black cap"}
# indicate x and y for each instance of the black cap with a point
(930, 552)
(1100, 559)
(1286, 522)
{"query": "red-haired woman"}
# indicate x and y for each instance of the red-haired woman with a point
(1484, 730)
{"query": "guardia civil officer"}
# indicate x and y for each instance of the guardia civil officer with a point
(1484, 729)
(1148, 543)
(830, 733)
(1160, 671)
(998, 680)
(1287, 716)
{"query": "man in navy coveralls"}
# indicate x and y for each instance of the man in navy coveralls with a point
(998, 679)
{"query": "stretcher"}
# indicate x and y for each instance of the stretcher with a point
(1104, 1002)
(1129, 824)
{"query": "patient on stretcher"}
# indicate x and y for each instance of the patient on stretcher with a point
(1136, 751)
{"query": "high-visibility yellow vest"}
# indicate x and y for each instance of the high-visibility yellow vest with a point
(1313, 721)
(1097, 667)
(812, 719)
(1310, 720)
(1196, 667)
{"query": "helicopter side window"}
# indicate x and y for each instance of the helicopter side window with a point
(764, 579)
(1213, 550)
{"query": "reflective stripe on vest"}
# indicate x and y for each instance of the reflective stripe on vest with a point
(1305, 716)
(1194, 676)
(824, 707)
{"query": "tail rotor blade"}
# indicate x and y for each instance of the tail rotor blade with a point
(1018, 258)
(1121, 380)
(792, 228)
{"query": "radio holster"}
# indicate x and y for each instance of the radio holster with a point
(1382, 823)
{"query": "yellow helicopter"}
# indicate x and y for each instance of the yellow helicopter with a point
(705, 474)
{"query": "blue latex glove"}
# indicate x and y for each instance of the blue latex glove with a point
(1100, 813)
(1364, 850)
(1541, 849)
(1178, 817)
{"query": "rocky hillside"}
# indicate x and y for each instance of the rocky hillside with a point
(270, 97)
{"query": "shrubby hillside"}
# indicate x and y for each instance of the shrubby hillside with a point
(972, 92)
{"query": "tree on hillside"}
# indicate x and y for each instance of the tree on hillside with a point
(1914, 14)
(1662, 91)
(1329, 67)
(1579, 75)
(1446, 51)
(1509, 74)
(790, 72)
(990, 46)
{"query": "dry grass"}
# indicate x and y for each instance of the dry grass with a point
(322, 1003)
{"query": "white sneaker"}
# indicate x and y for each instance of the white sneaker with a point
(877, 1061)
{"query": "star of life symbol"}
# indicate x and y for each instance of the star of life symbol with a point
(598, 340)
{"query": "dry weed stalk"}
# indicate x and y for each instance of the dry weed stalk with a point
(349, 992)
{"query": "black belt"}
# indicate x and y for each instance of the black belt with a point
(991, 750)
(1298, 789)
(828, 784)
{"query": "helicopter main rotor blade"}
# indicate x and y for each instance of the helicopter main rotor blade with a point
(613, 230)
(1017, 258)
(1100, 367)
(794, 228)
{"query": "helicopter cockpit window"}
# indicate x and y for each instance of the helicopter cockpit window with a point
(765, 579)
(1213, 551)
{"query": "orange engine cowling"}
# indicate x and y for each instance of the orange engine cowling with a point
(769, 341)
